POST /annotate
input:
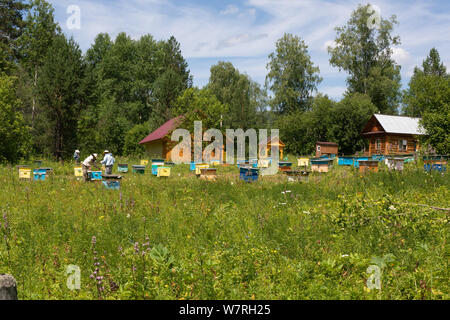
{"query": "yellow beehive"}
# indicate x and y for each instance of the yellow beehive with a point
(144, 162)
(24, 173)
(78, 172)
(263, 163)
(199, 167)
(163, 172)
(303, 162)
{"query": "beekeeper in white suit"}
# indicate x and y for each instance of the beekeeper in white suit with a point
(87, 164)
(108, 162)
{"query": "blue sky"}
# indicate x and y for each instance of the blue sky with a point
(245, 32)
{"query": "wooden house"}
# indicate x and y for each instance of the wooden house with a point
(389, 135)
(326, 149)
(158, 144)
(265, 152)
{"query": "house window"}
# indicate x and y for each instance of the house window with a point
(318, 148)
(378, 145)
(402, 145)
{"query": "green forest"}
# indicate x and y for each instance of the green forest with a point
(54, 98)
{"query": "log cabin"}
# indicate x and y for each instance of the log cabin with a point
(392, 135)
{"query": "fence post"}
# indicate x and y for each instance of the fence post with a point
(8, 287)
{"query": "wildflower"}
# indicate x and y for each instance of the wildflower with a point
(136, 247)
(94, 240)
(392, 208)
(344, 255)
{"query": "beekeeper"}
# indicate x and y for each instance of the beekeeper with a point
(108, 162)
(76, 156)
(87, 164)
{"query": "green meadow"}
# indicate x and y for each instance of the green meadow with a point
(185, 238)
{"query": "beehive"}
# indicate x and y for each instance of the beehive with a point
(111, 182)
(321, 165)
(144, 162)
(358, 159)
(395, 163)
(24, 173)
(264, 163)
(78, 171)
(368, 165)
(138, 169)
(285, 166)
(436, 163)
(39, 174)
(209, 174)
(303, 162)
(214, 163)
(163, 172)
(122, 168)
(199, 167)
(155, 167)
(297, 174)
(95, 175)
(248, 174)
(346, 161)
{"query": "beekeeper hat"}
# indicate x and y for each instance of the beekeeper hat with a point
(106, 151)
(77, 151)
(95, 155)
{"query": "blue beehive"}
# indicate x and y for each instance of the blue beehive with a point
(345, 161)
(111, 185)
(192, 165)
(155, 167)
(111, 182)
(39, 174)
(96, 175)
(248, 174)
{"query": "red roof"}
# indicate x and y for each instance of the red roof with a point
(327, 143)
(162, 131)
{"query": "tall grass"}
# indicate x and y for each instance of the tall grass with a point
(184, 238)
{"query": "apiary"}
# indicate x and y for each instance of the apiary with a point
(163, 172)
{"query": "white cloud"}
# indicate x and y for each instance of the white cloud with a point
(230, 10)
(401, 56)
(329, 43)
(249, 31)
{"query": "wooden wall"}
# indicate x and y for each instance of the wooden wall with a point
(390, 144)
